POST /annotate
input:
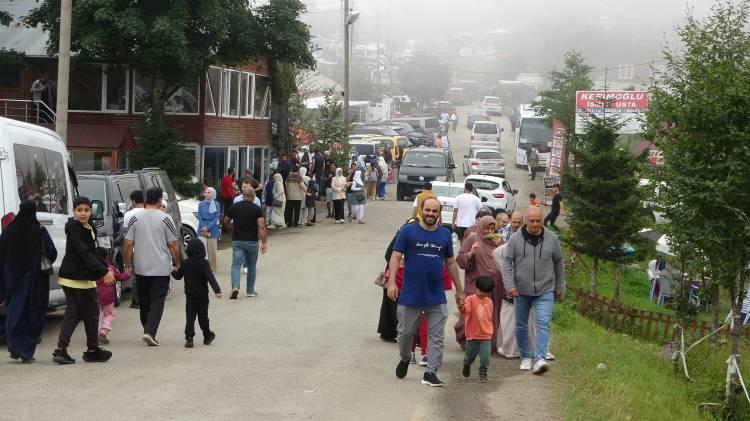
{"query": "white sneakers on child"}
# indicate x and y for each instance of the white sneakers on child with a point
(540, 367)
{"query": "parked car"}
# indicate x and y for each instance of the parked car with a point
(485, 135)
(427, 124)
(189, 215)
(492, 105)
(421, 165)
(495, 192)
(476, 115)
(365, 147)
(484, 161)
(456, 96)
(446, 193)
(372, 130)
(34, 164)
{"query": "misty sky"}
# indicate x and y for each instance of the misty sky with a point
(607, 32)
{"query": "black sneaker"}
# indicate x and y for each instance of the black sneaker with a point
(210, 338)
(189, 343)
(60, 356)
(467, 370)
(235, 293)
(401, 369)
(432, 380)
(97, 356)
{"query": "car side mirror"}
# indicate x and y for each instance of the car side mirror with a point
(97, 213)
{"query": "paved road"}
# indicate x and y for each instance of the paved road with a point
(306, 348)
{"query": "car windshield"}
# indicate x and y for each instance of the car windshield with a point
(431, 123)
(488, 155)
(491, 100)
(94, 189)
(447, 191)
(485, 128)
(364, 148)
(484, 184)
(534, 131)
(424, 159)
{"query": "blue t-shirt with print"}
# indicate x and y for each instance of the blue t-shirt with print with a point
(424, 256)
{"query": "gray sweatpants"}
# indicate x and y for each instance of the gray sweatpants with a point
(408, 323)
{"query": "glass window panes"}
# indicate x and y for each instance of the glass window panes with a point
(183, 101)
(141, 89)
(117, 86)
(261, 93)
(234, 93)
(214, 87)
(245, 101)
(94, 189)
(86, 87)
(127, 185)
(41, 178)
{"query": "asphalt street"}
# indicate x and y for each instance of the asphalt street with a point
(305, 348)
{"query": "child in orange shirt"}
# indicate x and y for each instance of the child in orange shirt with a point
(532, 200)
(477, 310)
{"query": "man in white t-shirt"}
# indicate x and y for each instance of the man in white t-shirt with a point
(465, 210)
(136, 197)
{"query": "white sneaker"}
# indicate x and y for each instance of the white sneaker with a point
(550, 356)
(244, 269)
(526, 364)
(423, 361)
(540, 367)
(413, 358)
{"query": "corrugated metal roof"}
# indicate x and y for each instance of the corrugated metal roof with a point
(31, 41)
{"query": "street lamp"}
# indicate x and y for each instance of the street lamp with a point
(351, 17)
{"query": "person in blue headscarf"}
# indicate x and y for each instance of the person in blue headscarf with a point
(208, 224)
(23, 284)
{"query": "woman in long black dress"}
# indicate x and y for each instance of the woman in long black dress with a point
(388, 323)
(25, 287)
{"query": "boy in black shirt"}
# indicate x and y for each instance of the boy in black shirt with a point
(555, 210)
(198, 275)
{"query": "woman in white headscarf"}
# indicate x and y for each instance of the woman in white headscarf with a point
(357, 186)
(382, 178)
(303, 215)
(338, 189)
(279, 202)
(208, 224)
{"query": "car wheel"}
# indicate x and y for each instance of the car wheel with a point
(188, 234)
(399, 195)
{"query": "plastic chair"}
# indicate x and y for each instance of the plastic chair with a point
(665, 287)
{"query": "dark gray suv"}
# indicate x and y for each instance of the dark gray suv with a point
(421, 165)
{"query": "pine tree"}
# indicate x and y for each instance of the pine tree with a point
(606, 214)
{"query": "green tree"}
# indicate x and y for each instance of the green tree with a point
(329, 132)
(700, 107)
(425, 78)
(607, 212)
(559, 102)
(5, 18)
(286, 45)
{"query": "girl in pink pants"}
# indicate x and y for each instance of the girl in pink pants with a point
(106, 298)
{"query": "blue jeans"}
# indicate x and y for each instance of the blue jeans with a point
(381, 189)
(543, 312)
(244, 252)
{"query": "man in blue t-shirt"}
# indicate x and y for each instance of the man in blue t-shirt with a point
(426, 247)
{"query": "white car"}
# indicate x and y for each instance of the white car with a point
(495, 192)
(189, 216)
(492, 105)
(446, 193)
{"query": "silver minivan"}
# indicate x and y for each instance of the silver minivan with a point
(485, 135)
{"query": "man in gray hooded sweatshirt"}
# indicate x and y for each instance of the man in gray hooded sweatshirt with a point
(534, 275)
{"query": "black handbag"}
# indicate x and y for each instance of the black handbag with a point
(46, 265)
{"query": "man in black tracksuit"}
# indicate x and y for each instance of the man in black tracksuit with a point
(198, 275)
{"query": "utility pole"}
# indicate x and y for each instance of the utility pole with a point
(63, 70)
(346, 64)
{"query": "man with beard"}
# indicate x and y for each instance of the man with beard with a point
(516, 220)
(426, 248)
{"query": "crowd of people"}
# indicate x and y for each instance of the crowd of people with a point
(513, 274)
(151, 257)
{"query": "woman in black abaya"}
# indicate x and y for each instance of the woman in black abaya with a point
(23, 284)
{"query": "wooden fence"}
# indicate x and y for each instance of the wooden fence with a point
(649, 325)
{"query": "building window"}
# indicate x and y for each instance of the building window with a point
(625, 72)
(184, 101)
(91, 160)
(98, 87)
(246, 100)
(262, 97)
(213, 91)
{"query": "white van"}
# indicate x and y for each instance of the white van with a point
(485, 135)
(34, 164)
